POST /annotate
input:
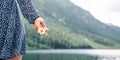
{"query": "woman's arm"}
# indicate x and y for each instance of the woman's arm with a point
(30, 14)
(28, 10)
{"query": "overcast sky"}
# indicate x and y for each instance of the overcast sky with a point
(107, 11)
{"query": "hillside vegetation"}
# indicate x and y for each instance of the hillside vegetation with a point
(70, 27)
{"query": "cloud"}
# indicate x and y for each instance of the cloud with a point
(115, 7)
(107, 11)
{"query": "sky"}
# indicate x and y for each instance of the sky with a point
(107, 11)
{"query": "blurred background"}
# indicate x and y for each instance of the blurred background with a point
(73, 24)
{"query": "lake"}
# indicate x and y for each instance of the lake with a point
(73, 54)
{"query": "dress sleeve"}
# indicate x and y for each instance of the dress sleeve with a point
(28, 10)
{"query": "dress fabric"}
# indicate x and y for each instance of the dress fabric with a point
(12, 31)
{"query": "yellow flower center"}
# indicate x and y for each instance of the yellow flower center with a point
(41, 30)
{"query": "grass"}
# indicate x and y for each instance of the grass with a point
(58, 57)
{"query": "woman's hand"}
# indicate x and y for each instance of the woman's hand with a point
(39, 22)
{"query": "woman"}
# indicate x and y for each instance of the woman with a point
(12, 32)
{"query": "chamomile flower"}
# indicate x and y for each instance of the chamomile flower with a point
(41, 31)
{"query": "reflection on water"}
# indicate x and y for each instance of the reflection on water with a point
(108, 58)
(73, 54)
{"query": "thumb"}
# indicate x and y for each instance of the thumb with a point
(42, 23)
(37, 24)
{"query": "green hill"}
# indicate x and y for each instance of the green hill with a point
(70, 27)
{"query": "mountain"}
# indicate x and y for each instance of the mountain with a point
(70, 27)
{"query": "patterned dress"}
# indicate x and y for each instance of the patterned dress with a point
(12, 32)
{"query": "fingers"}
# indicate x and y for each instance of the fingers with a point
(42, 23)
(39, 23)
(36, 24)
(46, 29)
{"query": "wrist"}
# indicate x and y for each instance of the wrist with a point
(40, 19)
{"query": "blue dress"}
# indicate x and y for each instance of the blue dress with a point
(12, 32)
